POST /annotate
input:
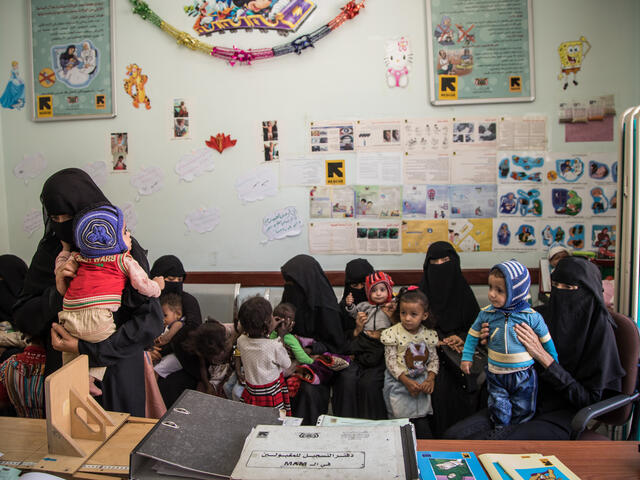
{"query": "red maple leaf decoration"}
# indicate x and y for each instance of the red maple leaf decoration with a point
(220, 142)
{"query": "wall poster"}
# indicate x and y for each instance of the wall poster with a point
(480, 51)
(72, 59)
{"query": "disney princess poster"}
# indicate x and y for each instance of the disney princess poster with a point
(13, 95)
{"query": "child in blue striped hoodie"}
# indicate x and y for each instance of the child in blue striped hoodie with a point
(512, 380)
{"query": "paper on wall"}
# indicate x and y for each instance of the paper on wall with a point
(522, 200)
(97, 171)
(130, 215)
(148, 180)
(418, 235)
(379, 237)
(474, 132)
(603, 200)
(379, 168)
(473, 167)
(519, 133)
(331, 137)
(378, 135)
(32, 221)
(471, 235)
(378, 201)
(567, 168)
(426, 168)
(281, 224)
(602, 167)
(568, 201)
(602, 236)
(516, 234)
(259, 183)
(331, 202)
(473, 201)
(426, 135)
(332, 237)
(195, 163)
(570, 234)
(301, 171)
(30, 166)
(202, 220)
(524, 168)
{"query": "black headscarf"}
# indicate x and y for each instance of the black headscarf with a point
(451, 299)
(582, 328)
(355, 272)
(317, 313)
(12, 273)
(169, 266)
(66, 192)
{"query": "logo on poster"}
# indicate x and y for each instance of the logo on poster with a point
(515, 84)
(45, 106)
(100, 102)
(335, 172)
(448, 87)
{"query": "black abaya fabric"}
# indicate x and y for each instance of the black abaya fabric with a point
(355, 272)
(139, 319)
(13, 271)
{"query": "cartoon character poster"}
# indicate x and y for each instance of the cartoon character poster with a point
(516, 234)
(398, 59)
(567, 168)
(567, 201)
(523, 201)
(572, 54)
(569, 234)
(221, 15)
(13, 95)
(521, 168)
(471, 235)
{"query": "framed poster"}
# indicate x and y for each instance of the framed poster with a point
(480, 51)
(72, 59)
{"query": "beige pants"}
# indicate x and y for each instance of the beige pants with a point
(91, 325)
(12, 339)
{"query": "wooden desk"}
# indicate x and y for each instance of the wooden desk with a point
(588, 460)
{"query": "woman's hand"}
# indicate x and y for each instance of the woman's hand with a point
(62, 340)
(349, 299)
(454, 342)
(412, 386)
(531, 342)
(155, 355)
(373, 333)
(361, 319)
(160, 281)
(64, 275)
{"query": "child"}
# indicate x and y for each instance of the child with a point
(511, 380)
(285, 314)
(171, 304)
(412, 361)
(371, 316)
(263, 359)
(104, 265)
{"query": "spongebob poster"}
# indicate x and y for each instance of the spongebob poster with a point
(571, 56)
(219, 16)
(479, 53)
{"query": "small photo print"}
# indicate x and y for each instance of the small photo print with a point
(181, 128)
(271, 152)
(119, 143)
(269, 130)
(119, 162)
(180, 108)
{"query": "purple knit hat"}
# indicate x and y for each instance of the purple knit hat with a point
(98, 232)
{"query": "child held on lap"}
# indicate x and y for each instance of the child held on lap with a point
(411, 359)
(285, 313)
(511, 380)
(263, 359)
(171, 304)
(374, 315)
(103, 266)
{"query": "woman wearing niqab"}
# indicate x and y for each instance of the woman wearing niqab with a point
(138, 321)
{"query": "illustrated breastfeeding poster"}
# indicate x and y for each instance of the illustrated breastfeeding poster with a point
(521, 167)
(479, 53)
(521, 200)
(567, 201)
(471, 235)
(516, 234)
(570, 234)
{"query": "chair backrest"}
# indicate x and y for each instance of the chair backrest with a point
(628, 341)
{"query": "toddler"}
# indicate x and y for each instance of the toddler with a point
(263, 359)
(171, 304)
(103, 266)
(412, 361)
(284, 314)
(511, 380)
(373, 316)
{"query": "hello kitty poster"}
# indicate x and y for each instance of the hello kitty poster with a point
(398, 59)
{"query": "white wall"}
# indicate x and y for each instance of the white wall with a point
(342, 78)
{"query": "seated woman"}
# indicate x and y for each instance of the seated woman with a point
(454, 308)
(170, 267)
(589, 365)
(13, 271)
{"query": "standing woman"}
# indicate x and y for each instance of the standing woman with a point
(138, 321)
(170, 267)
(318, 317)
(454, 306)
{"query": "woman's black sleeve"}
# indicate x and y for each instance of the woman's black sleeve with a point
(569, 387)
(34, 316)
(191, 310)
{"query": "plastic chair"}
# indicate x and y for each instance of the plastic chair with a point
(617, 410)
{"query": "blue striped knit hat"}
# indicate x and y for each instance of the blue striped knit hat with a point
(518, 281)
(98, 232)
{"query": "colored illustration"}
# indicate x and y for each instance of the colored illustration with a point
(566, 202)
(13, 95)
(443, 31)
(603, 238)
(570, 169)
(571, 56)
(523, 203)
(598, 171)
(46, 77)
(600, 202)
(526, 235)
(504, 234)
(576, 237)
(221, 15)
(465, 36)
(220, 142)
(398, 58)
(552, 235)
(75, 65)
(471, 235)
(473, 201)
(134, 86)
(614, 171)
(526, 163)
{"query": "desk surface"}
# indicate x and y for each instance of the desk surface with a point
(588, 460)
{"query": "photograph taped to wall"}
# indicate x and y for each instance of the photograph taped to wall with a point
(478, 54)
(72, 74)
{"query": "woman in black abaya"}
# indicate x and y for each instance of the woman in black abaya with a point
(588, 367)
(454, 306)
(318, 317)
(12, 273)
(138, 321)
(170, 267)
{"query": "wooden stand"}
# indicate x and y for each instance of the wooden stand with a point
(76, 424)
